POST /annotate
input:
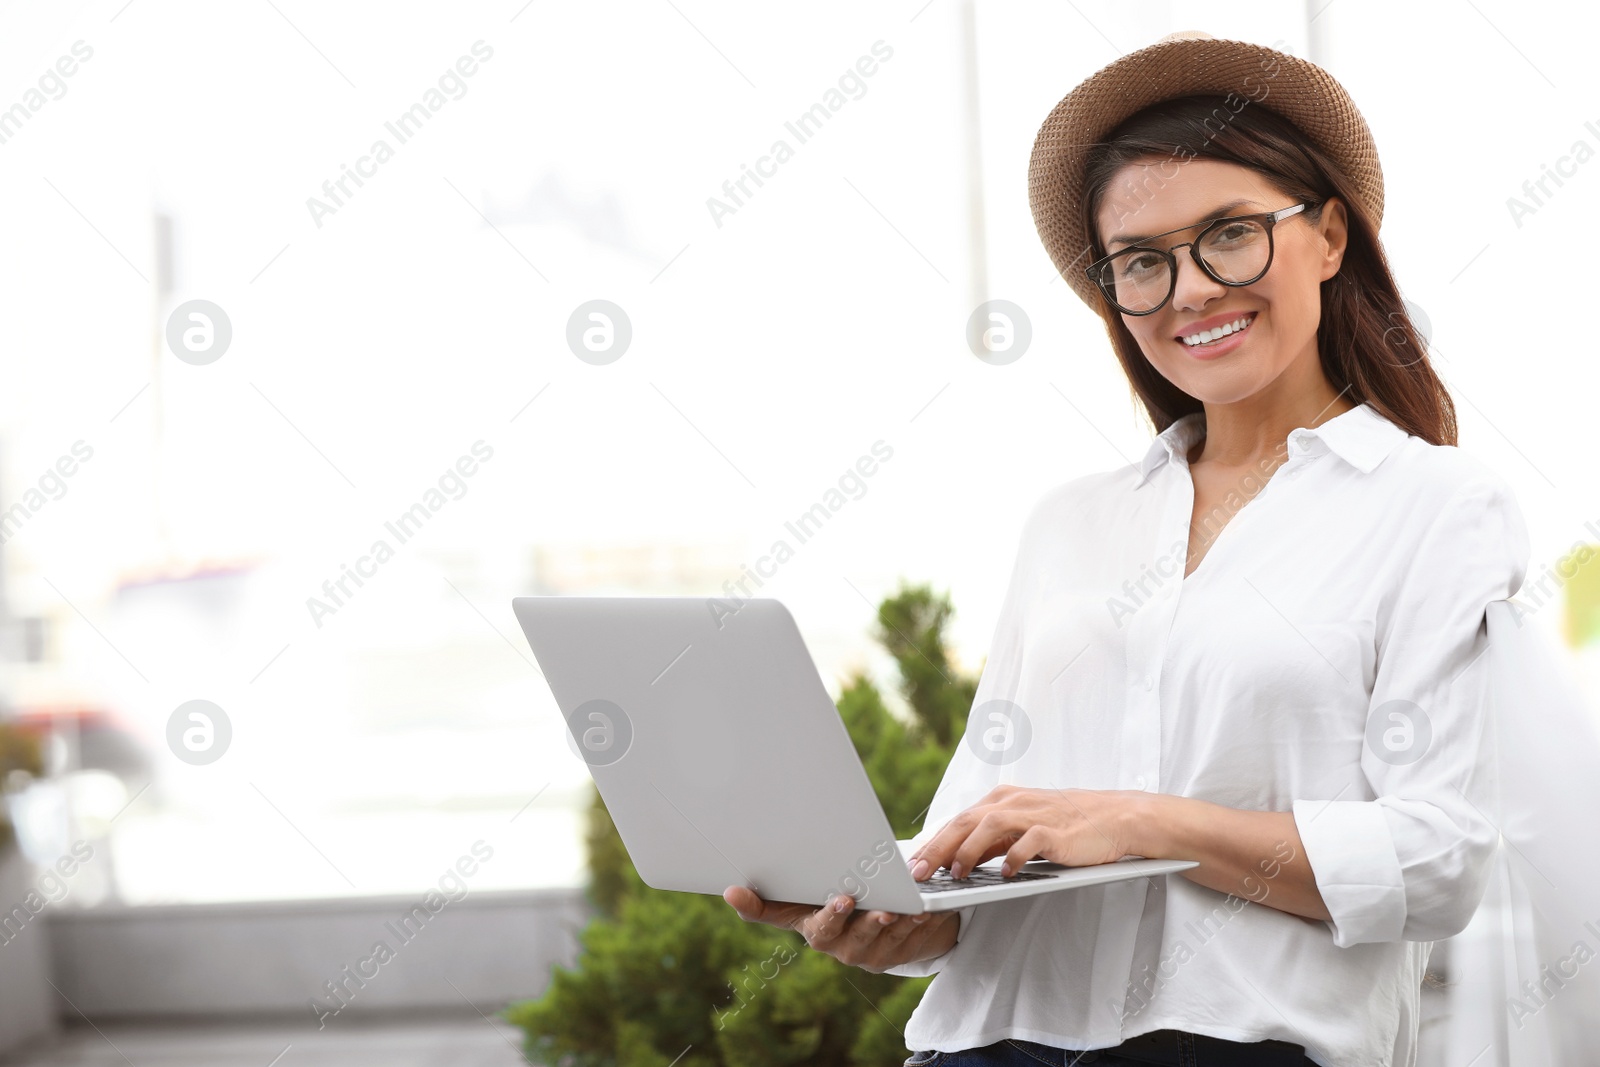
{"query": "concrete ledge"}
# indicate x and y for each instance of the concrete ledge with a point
(27, 1004)
(362, 957)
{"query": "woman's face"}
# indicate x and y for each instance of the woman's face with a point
(1282, 309)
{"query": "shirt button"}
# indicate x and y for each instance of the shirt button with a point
(1149, 682)
(1138, 783)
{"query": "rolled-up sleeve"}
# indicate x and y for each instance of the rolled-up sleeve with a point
(1409, 860)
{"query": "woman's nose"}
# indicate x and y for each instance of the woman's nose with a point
(1194, 287)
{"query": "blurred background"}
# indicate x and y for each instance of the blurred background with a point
(285, 281)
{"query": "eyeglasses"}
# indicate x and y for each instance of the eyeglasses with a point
(1139, 280)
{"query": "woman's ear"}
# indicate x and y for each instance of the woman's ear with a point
(1333, 226)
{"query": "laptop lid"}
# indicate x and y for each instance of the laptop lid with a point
(716, 748)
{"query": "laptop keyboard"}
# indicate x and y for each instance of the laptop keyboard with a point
(940, 880)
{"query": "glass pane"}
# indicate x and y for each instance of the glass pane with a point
(1141, 278)
(1237, 251)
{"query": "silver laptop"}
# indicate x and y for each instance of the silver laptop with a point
(723, 761)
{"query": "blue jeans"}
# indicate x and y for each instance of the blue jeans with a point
(1012, 1052)
(1015, 1053)
(1192, 1052)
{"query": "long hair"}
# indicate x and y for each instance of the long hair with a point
(1366, 340)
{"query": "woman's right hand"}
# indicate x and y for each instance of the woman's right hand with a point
(871, 940)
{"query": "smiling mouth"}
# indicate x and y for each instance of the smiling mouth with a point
(1211, 336)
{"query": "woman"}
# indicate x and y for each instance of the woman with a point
(1251, 649)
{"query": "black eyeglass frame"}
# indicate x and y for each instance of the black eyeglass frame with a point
(1096, 269)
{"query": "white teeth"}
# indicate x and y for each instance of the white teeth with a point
(1207, 336)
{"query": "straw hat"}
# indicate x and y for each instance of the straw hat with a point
(1181, 64)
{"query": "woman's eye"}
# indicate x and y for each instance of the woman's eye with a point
(1142, 264)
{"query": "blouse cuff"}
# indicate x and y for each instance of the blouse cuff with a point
(1353, 860)
(923, 968)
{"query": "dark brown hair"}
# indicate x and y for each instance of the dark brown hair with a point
(1366, 338)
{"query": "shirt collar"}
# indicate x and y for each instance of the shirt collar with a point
(1175, 440)
(1361, 437)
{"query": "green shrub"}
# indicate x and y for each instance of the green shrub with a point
(678, 980)
(20, 762)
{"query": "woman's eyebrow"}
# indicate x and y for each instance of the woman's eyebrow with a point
(1218, 213)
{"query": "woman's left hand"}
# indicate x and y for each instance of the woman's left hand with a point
(1075, 827)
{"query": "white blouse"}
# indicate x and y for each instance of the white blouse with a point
(1307, 665)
